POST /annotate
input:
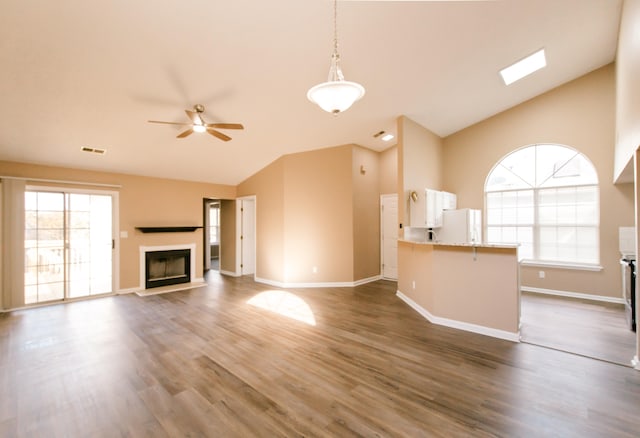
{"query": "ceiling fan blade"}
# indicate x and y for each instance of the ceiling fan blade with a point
(185, 133)
(220, 135)
(194, 116)
(168, 123)
(225, 125)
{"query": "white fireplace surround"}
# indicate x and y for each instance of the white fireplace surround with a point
(145, 249)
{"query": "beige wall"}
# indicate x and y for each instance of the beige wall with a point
(627, 91)
(304, 217)
(268, 187)
(485, 294)
(366, 213)
(389, 171)
(318, 216)
(415, 273)
(420, 157)
(228, 236)
(579, 114)
(144, 201)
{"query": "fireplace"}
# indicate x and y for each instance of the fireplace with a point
(167, 265)
(163, 268)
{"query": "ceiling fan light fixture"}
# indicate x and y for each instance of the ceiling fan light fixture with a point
(336, 95)
(197, 124)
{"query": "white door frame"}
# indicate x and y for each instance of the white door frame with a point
(206, 207)
(393, 196)
(239, 231)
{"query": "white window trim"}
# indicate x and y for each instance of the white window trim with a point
(561, 265)
(536, 224)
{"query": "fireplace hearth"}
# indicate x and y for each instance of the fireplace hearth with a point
(168, 267)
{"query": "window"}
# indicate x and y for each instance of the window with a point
(214, 224)
(545, 197)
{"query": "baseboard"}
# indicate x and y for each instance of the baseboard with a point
(635, 362)
(229, 273)
(367, 280)
(171, 288)
(317, 285)
(129, 290)
(562, 293)
(451, 323)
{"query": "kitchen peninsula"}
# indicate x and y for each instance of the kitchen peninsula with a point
(470, 286)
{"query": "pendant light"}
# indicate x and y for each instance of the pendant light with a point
(336, 95)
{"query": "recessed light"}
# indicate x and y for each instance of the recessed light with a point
(524, 67)
(387, 137)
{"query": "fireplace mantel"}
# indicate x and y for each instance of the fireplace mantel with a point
(174, 229)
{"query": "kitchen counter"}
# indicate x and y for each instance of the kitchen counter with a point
(473, 287)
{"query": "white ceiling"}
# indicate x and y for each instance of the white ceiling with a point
(85, 73)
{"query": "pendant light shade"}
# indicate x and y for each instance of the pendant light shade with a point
(335, 95)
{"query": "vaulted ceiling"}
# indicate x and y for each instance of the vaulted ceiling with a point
(81, 73)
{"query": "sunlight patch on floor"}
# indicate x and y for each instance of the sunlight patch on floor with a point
(285, 304)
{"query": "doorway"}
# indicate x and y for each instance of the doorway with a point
(211, 235)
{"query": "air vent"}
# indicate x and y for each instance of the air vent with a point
(384, 136)
(94, 150)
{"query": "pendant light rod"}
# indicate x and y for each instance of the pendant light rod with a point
(335, 72)
(335, 26)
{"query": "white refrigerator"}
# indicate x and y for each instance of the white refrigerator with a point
(460, 226)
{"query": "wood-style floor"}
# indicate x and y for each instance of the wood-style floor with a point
(206, 362)
(591, 328)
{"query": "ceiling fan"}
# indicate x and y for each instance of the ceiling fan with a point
(198, 124)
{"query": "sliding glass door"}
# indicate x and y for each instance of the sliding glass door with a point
(68, 245)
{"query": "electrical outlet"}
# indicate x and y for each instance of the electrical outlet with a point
(540, 274)
(413, 284)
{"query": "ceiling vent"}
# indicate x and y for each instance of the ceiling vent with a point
(93, 150)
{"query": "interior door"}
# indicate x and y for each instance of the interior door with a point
(389, 236)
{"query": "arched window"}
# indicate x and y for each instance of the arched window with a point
(545, 197)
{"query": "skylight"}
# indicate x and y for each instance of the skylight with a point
(524, 67)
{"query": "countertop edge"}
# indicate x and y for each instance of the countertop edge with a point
(466, 245)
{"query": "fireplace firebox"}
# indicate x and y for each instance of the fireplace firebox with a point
(164, 268)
